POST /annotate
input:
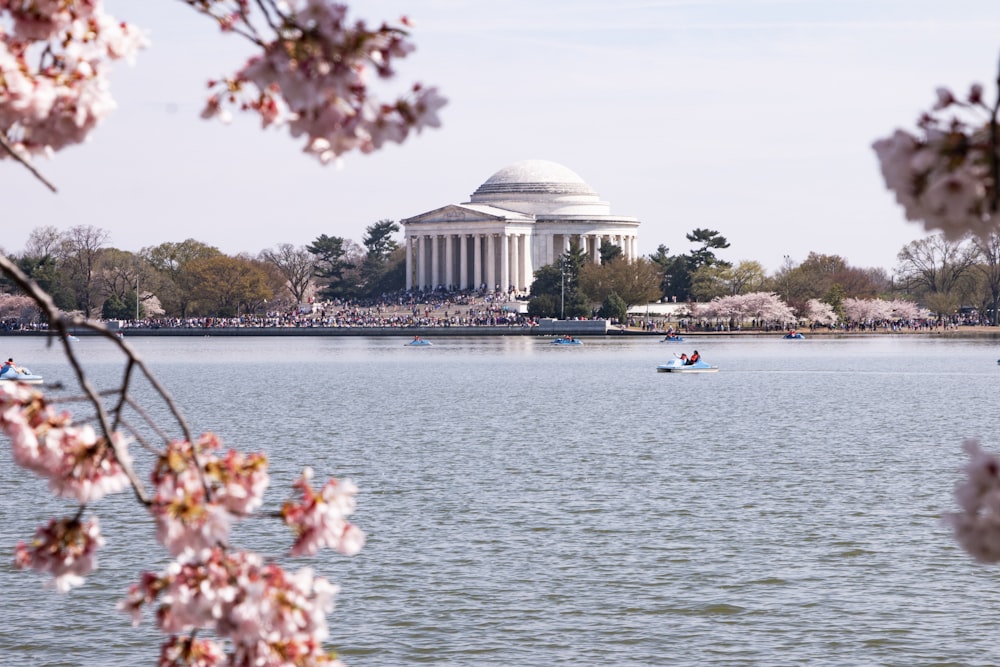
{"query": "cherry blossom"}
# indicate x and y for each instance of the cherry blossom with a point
(870, 311)
(320, 518)
(199, 494)
(977, 525)
(65, 549)
(53, 71)
(77, 462)
(271, 617)
(313, 72)
(944, 176)
(819, 312)
(761, 306)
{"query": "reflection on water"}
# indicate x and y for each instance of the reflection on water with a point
(530, 504)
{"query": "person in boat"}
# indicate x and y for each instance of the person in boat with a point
(416, 339)
(693, 359)
(684, 359)
(8, 365)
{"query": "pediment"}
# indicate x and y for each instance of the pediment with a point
(458, 213)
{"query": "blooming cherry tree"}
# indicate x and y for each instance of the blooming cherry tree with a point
(311, 73)
(765, 307)
(947, 176)
(257, 612)
(820, 312)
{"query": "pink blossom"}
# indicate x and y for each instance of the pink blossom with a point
(190, 652)
(64, 548)
(320, 518)
(198, 494)
(270, 616)
(977, 526)
(944, 99)
(944, 177)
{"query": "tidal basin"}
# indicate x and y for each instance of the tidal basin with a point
(535, 505)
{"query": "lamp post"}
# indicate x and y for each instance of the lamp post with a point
(562, 290)
(137, 297)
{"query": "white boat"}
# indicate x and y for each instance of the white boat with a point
(679, 366)
(14, 374)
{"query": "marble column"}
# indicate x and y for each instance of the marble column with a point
(504, 262)
(449, 261)
(463, 261)
(409, 263)
(491, 262)
(435, 261)
(515, 262)
(477, 260)
(527, 264)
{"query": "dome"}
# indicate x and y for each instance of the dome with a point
(539, 187)
(533, 177)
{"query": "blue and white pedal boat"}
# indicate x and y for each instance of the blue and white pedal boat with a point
(419, 342)
(567, 341)
(20, 375)
(678, 366)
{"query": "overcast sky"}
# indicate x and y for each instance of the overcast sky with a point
(753, 118)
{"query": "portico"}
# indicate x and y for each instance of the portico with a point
(523, 217)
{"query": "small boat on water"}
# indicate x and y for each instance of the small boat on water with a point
(679, 366)
(419, 342)
(793, 335)
(15, 374)
(672, 339)
(567, 340)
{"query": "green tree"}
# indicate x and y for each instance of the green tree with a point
(172, 262)
(330, 265)
(609, 251)
(228, 286)
(378, 239)
(614, 308)
(676, 271)
(375, 267)
(709, 240)
(543, 305)
(635, 282)
(560, 282)
(118, 308)
(711, 280)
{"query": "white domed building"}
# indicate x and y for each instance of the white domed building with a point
(522, 218)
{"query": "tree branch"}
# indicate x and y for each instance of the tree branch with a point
(8, 148)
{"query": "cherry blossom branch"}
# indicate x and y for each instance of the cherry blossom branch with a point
(24, 163)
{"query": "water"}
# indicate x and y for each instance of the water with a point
(533, 505)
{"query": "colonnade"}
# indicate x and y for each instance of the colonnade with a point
(494, 260)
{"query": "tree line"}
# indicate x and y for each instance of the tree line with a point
(84, 273)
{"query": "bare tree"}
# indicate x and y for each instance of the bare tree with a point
(43, 242)
(80, 252)
(296, 266)
(939, 270)
(989, 270)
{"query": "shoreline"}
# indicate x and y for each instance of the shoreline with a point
(586, 328)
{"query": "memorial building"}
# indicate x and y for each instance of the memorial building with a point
(522, 218)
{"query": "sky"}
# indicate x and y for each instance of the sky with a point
(753, 118)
